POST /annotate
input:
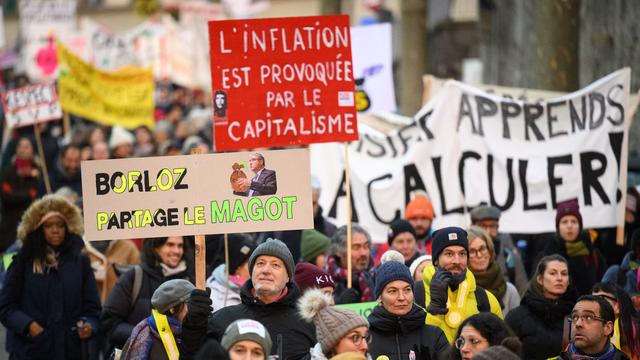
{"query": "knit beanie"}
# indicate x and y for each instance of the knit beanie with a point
(497, 352)
(120, 136)
(398, 227)
(568, 207)
(273, 247)
(245, 329)
(391, 255)
(310, 276)
(419, 207)
(484, 212)
(313, 243)
(414, 265)
(240, 248)
(388, 272)
(170, 294)
(332, 323)
(448, 236)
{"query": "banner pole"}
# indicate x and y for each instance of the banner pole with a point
(226, 268)
(43, 162)
(200, 253)
(348, 185)
(633, 106)
(66, 123)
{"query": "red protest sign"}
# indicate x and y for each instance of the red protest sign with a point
(282, 81)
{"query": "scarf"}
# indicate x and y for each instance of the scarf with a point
(50, 262)
(340, 274)
(576, 248)
(141, 339)
(606, 355)
(493, 280)
(169, 271)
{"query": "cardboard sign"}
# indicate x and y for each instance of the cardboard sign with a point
(123, 97)
(30, 104)
(280, 82)
(196, 194)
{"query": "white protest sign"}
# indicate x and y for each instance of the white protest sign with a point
(30, 104)
(372, 68)
(469, 147)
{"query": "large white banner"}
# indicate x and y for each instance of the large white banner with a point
(372, 68)
(468, 147)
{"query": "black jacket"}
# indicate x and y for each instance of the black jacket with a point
(265, 184)
(539, 322)
(290, 334)
(397, 336)
(584, 271)
(119, 316)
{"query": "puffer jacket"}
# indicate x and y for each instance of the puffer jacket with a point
(470, 304)
(398, 337)
(292, 336)
(539, 322)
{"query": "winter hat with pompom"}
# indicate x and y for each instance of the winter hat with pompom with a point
(332, 323)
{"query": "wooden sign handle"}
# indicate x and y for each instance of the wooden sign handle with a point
(201, 262)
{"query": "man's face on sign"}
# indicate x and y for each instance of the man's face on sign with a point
(219, 101)
(255, 163)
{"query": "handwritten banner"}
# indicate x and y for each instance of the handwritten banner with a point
(123, 97)
(181, 195)
(467, 147)
(279, 82)
(30, 104)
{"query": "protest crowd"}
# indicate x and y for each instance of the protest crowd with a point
(456, 291)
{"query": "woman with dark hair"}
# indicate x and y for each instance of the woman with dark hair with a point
(50, 303)
(539, 320)
(163, 259)
(586, 263)
(626, 330)
(479, 332)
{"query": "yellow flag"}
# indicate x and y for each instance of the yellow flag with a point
(123, 97)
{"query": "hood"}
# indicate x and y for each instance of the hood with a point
(386, 322)
(316, 353)
(288, 300)
(41, 207)
(219, 276)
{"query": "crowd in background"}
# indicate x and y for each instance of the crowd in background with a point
(447, 293)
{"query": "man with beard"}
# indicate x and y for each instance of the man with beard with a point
(362, 276)
(450, 291)
(592, 321)
(419, 213)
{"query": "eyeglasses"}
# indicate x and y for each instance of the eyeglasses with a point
(479, 252)
(460, 342)
(357, 339)
(587, 318)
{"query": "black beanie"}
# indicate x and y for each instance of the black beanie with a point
(398, 227)
(449, 236)
(240, 248)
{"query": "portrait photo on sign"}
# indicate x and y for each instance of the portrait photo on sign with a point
(260, 182)
(220, 104)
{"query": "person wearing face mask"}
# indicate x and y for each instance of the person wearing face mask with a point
(540, 318)
(337, 330)
(586, 263)
(450, 291)
(163, 259)
(49, 303)
(397, 323)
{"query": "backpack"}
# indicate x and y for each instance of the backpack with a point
(137, 280)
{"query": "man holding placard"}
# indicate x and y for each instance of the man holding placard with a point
(263, 183)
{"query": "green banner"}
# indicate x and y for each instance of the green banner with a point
(363, 309)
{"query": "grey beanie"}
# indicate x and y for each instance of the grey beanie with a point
(170, 294)
(332, 323)
(274, 247)
(245, 329)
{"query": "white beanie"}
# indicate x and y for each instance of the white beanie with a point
(120, 136)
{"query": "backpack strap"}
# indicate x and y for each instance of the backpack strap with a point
(482, 299)
(137, 285)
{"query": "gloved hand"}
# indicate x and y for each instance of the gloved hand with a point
(348, 296)
(439, 292)
(199, 307)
